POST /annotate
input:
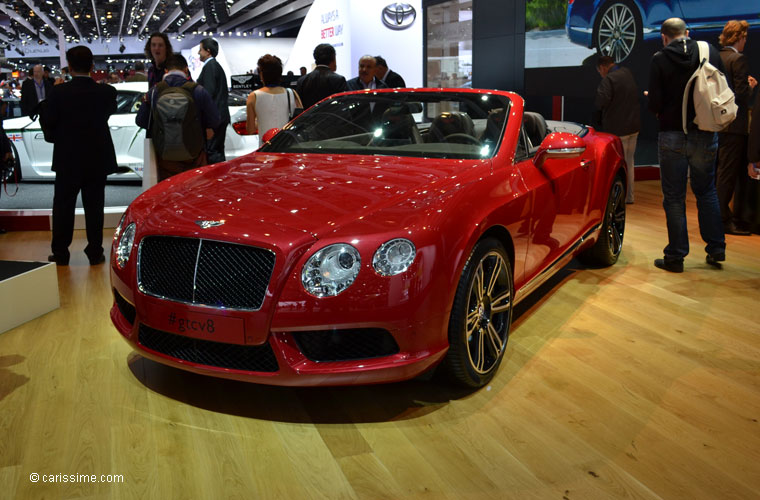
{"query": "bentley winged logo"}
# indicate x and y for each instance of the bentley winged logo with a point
(205, 224)
(398, 16)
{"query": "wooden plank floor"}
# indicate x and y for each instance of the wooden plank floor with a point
(626, 382)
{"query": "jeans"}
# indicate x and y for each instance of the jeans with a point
(693, 156)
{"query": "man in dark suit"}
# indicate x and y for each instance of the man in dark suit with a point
(389, 77)
(34, 90)
(732, 141)
(366, 78)
(83, 154)
(214, 80)
(323, 81)
(617, 110)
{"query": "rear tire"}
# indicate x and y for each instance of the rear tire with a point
(607, 248)
(480, 316)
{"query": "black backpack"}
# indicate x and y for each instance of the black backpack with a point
(176, 129)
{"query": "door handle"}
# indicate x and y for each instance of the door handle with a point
(586, 163)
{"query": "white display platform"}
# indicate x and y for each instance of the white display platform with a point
(27, 290)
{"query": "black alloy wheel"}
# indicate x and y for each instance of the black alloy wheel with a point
(607, 248)
(481, 315)
(12, 174)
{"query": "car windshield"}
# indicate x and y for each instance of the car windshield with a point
(457, 125)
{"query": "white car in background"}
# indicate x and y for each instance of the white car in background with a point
(35, 156)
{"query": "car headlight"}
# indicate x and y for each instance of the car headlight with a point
(124, 249)
(118, 228)
(331, 270)
(394, 257)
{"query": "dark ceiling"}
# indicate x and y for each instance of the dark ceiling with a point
(41, 21)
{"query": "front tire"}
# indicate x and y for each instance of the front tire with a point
(617, 29)
(15, 173)
(607, 248)
(480, 316)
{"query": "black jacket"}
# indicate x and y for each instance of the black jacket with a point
(356, 84)
(394, 80)
(669, 71)
(77, 118)
(736, 74)
(214, 80)
(753, 151)
(29, 95)
(320, 83)
(617, 103)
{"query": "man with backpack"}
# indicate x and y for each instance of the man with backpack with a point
(685, 148)
(180, 116)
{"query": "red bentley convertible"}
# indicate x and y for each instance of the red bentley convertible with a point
(378, 235)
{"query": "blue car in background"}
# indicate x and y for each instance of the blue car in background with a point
(617, 27)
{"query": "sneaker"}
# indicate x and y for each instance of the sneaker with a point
(715, 260)
(673, 266)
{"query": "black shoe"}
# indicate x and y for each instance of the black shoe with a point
(98, 260)
(732, 228)
(674, 266)
(59, 261)
(715, 260)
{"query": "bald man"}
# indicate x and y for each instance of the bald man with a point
(684, 156)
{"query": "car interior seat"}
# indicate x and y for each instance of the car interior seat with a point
(448, 123)
(494, 127)
(399, 127)
(535, 127)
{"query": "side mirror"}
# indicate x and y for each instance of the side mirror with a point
(559, 145)
(269, 134)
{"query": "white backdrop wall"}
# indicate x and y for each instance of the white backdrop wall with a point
(238, 56)
(355, 29)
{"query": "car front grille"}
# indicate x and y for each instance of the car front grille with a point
(204, 272)
(344, 345)
(125, 308)
(255, 358)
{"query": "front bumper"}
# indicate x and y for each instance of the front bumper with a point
(217, 343)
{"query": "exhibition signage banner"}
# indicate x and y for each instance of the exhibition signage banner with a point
(371, 27)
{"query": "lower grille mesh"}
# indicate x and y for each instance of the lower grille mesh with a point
(255, 358)
(125, 308)
(344, 345)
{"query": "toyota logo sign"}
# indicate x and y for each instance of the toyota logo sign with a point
(399, 16)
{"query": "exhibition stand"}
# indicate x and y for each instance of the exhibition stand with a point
(27, 290)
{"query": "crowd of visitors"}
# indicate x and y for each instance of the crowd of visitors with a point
(714, 163)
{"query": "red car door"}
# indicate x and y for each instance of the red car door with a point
(559, 216)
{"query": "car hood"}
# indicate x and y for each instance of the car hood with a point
(18, 123)
(313, 194)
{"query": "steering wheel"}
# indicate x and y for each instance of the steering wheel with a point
(462, 138)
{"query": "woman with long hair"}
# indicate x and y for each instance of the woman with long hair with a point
(158, 48)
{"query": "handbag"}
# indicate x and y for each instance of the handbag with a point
(150, 165)
(292, 110)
